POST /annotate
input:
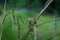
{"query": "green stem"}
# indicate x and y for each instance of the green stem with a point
(43, 9)
(3, 19)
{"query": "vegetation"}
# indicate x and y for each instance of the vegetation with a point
(21, 23)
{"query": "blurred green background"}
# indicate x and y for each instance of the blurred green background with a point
(24, 9)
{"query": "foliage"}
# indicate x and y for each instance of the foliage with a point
(16, 28)
(10, 30)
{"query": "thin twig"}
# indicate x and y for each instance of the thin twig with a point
(56, 15)
(43, 9)
(48, 22)
(3, 18)
(54, 36)
(35, 36)
(13, 10)
(27, 34)
(40, 34)
(6, 16)
(4, 12)
(18, 29)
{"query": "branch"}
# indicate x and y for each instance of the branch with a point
(54, 36)
(13, 10)
(18, 29)
(27, 34)
(43, 9)
(4, 12)
(48, 21)
(3, 18)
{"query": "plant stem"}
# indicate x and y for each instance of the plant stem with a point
(54, 36)
(43, 9)
(28, 4)
(13, 10)
(48, 21)
(27, 34)
(3, 18)
(4, 12)
(18, 29)
(35, 33)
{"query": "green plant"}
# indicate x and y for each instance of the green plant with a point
(14, 19)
